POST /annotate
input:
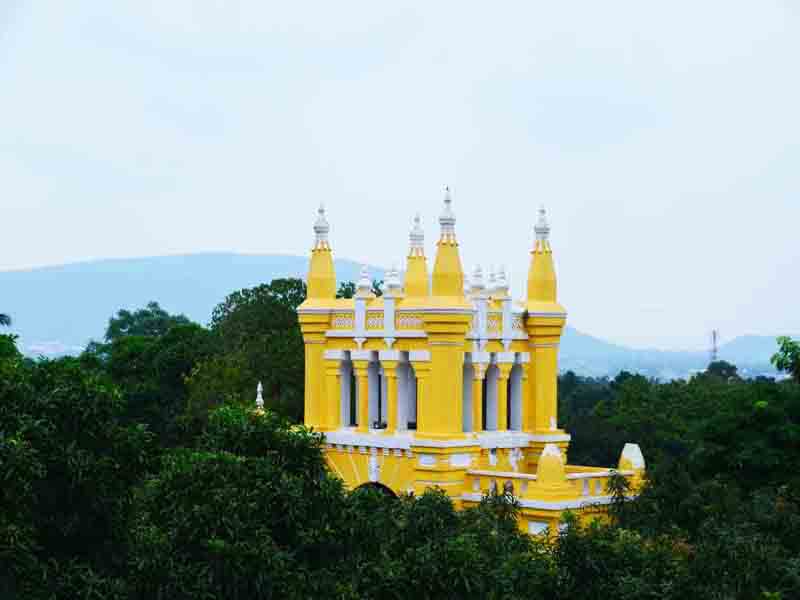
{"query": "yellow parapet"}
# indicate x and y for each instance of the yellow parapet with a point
(435, 385)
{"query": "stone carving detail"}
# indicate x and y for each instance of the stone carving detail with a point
(494, 322)
(343, 320)
(374, 469)
(516, 323)
(409, 321)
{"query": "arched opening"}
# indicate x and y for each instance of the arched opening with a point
(515, 399)
(378, 487)
(374, 403)
(411, 396)
(348, 393)
(490, 412)
(466, 398)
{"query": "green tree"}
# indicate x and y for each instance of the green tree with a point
(377, 287)
(257, 338)
(5, 320)
(152, 371)
(347, 289)
(151, 321)
(722, 369)
(68, 467)
(8, 347)
(787, 358)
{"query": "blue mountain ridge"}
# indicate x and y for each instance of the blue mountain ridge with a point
(58, 309)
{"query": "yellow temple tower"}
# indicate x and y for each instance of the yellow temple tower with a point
(435, 384)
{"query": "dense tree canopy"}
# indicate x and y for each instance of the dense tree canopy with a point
(787, 358)
(257, 338)
(151, 321)
(112, 487)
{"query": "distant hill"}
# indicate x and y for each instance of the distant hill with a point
(57, 310)
(61, 308)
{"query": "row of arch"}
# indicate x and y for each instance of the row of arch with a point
(408, 395)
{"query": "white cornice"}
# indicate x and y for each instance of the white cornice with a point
(544, 505)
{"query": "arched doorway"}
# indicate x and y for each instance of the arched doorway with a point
(378, 487)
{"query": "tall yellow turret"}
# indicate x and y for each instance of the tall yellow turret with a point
(542, 284)
(321, 273)
(448, 277)
(314, 322)
(545, 323)
(416, 282)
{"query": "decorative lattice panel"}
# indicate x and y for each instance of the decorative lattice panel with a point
(343, 320)
(409, 321)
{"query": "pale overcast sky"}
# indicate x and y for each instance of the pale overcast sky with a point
(663, 138)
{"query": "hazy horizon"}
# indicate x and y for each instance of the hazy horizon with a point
(663, 140)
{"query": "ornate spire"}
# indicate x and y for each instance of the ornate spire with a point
(321, 272)
(477, 280)
(321, 230)
(417, 238)
(259, 397)
(364, 287)
(502, 282)
(393, 284)
(492, 280)
(542, 228)
(448, 219)
(542, 285)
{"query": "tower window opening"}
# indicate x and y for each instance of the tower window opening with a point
(484, 387)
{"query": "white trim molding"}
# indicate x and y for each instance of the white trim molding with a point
(550, 437)
(419, 355)
(545, 505)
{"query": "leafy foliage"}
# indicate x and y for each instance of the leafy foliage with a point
(722, 369)
(787, 358)
(138, 470)
(152, 321)
(69, 466)
(347, 289)
(257, 338)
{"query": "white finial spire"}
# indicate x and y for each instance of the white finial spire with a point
(259, 397)
(321, 229)
(417, 237)
(448, 218)
(502, 282)
(393, 284)
(542, 228)
(477, 279)
(364, 287)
